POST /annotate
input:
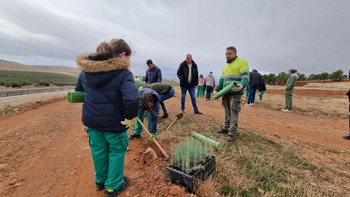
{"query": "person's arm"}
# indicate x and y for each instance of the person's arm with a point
(180, 73)
(154, 119)
(146, 77)
(130, 96)
(244, 74)
(290, 82)
(79, 86)
(159, 76)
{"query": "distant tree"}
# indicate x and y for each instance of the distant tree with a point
(270, 78)
(282, 77)
(312, 77)
(302, 77)
(323, 76)
(337, 75)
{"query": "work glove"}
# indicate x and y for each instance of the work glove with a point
(126, 122)
(152, 137)
(238, 88)
(215, 92)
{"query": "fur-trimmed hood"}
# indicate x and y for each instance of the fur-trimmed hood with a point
(87, 65)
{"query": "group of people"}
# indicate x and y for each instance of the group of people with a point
(206, 86)
(113, 98)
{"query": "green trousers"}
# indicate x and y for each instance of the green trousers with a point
(141, 115)
(289, 100)
(261, 93)
(199, 91)
(108, 152)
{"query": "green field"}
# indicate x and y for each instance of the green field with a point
(22, 78)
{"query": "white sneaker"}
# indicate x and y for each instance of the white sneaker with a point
(251, 103)
(246, 104)
(286, 110)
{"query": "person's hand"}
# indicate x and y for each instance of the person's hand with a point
(151, 137)
(126, 122)
(238, 88)
(215, 92)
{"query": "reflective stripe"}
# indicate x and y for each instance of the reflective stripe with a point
(232, 76)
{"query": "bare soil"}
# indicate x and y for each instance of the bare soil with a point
(44, 150)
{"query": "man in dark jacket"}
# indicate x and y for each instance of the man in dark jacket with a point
(153, 73)
(254, 83)
(188, 75)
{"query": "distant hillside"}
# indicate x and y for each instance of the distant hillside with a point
(15, 66)
(59, 69)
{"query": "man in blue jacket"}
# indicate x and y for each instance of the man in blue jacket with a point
(153, 73)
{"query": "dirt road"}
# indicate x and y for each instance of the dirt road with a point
(44, 150)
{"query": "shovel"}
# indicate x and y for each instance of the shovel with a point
(154, 139)
(178, 117)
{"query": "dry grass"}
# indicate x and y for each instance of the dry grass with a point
(312, 105)
(255, 165)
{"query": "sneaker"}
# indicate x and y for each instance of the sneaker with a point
(198, 112)
(251, 103)
(182, 111)
(246, 104)
(134, 135)
(222, 131)
(347, 137)
(286, 110)
(114, 193)
(100, 186)
(230, 138)
(165, 115)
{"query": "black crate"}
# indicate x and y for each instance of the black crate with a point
(190, 182)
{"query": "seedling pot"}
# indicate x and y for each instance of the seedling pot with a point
(191, 181)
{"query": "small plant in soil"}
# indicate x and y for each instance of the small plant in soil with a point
(190, 155)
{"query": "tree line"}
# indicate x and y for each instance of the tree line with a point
(282, 77)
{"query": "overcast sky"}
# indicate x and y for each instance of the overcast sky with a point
(312, 36)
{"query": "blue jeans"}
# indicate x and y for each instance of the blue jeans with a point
(164, 97)
(251, 95)
(209, 91)
(191, 90)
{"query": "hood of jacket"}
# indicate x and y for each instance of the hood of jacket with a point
(87, 65)
(98, 73)
(295, 75)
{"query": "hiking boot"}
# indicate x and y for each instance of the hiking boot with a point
(165, 115)
(100, 186)
(134, 135)
(113, 193)
(222, 131)
(230, 138)
(347, 137)
(198, 112)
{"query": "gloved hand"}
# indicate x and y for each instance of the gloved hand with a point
(152, 137)
(238, 88)
(215, 92)
(126, 122)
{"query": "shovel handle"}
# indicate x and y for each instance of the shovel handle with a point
(154, 139)
(171, 124)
